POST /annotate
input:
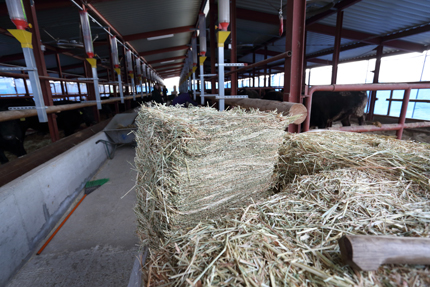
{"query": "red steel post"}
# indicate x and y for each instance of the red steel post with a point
(295, 34)
(379, 51)
(60, 72)
(265, 67)
(402, 117)
(233, 52)
(336, 52)
(253, 70)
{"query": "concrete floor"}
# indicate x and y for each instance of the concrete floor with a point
(98, 244)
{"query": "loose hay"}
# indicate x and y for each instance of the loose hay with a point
(332, 184)
(309, 153)
(291, 238)
(195, 163)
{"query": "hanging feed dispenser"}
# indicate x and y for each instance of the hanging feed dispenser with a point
(86, 32)
(224, 14)
(138, 67)
(194, 48)
(202, 34)
(17, 13)
(114, 51)
(129, 62)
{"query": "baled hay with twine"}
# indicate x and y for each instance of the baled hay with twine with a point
(291, 238)
(312, 152)
(195, 163)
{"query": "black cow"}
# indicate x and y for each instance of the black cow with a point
(12, 132)
(328, 107)
(252, 94)
(11, 139)
(273, 95)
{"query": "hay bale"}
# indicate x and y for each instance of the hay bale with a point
(195, 163)
(310, 153)
(291, 238)
(333, 184)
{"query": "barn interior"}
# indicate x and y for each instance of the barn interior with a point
(266, 37)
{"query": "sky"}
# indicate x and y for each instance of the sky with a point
(170, 82)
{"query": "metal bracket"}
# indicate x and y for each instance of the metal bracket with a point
(87, 79)
(21, 108)
(231, 97)
(231, 64)
(18, 69)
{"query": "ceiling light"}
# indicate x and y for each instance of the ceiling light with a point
(160, 37)
(167, 62)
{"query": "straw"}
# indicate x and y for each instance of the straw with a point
(195, 163)
(290, 239)
(331, 184)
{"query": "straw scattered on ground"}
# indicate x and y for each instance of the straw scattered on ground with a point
(195, 163)
(291, 238)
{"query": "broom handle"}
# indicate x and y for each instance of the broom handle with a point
(58, 228)
(367, 253)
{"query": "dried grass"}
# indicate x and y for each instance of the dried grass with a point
(291, 238)
(365, 185)
(195, 163)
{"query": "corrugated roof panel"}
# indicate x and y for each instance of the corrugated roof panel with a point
(319, 42)
(266, 6)
(249, 32)
(135, 16)
(383, 16)
(164, 55)
(144, 45)
(423, 38)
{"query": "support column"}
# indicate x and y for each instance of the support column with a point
(60, 72)
(212, 11)
(253, 70)
(379, 51)
(233, 52)
(295, 31)
(336, 52)
(265, 67)
(41, 68)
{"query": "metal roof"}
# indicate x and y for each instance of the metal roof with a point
(257, 26)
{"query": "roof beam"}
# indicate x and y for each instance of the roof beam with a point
(407, 32)
(166, 50)
(339, 6)
(166, 60)
(68, 67)
(267, 52)
(256, 16)
(172, 68)
(330, 51)
(366, 38)
(145, 35)
(168, 66)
